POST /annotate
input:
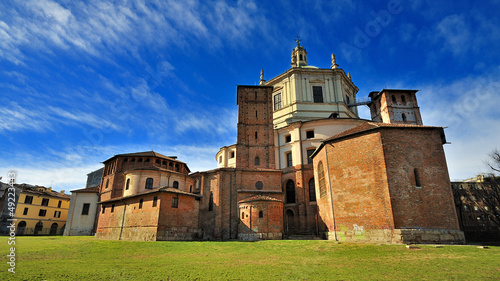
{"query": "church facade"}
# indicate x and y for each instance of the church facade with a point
(304, 164)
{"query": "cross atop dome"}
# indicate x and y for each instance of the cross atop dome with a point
(297, 39)
(299, 54)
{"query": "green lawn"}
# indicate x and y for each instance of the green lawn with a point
(87, 258)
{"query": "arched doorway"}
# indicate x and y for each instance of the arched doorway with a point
(21, 227)
(38, 227)
(53, 229)
(289, 222)
(290, 192)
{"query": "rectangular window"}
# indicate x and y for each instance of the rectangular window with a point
(57, 214)
(45, 201)
(25, 212)
(42, 213)
(59, 204)
(288, 138)
(175, 202)
(140, 203)
(149, 183)
(277, 101)
(85, 209)
(310, 134)
(309, 153)
(289, 162)
(318, 94)
(155, 201)
(28, 199)
(103, 209)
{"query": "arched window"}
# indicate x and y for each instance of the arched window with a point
(261, 214)
(140, 160)
(177, 168)
(290, 192)
(149, 183)
(157, 161)
(38, 227)
(53, 229)
(21, 227)
(132, 160)
(175, 185)
(403, 116)
(321, 180)
(393, 98)
(125, 160)
(403, 99)
(147, 160)
(127, 184)
(312, 190)
(257, 161)
(211, 202)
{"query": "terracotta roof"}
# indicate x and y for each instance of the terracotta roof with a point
(34, 190)
(374, 125)
(259, 198)
(146, 154)
(94, 189)
(375, 93)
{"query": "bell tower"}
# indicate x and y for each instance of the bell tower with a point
(395, 106)
(255, 144)
(299, 55)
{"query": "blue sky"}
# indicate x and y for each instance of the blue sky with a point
(81, 82)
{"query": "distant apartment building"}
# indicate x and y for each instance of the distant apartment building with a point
(474, 216)
(39, 210)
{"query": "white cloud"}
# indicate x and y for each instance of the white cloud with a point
(67, 168)
(455, 33)
(101, 28)
(469, 108)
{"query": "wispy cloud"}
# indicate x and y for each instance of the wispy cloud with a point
(99, 28)
(469, 108)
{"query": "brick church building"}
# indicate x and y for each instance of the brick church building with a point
(304, 164)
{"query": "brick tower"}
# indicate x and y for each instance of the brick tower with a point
(255, 144)
(395, 106)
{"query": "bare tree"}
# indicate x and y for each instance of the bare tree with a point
(486, 193)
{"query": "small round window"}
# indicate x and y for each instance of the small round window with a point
(259, 185)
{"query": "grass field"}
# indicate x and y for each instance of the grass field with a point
(87, 258)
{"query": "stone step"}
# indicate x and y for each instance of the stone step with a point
(303, 237)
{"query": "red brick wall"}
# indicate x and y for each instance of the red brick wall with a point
(255, 116)
(356, 171)
(270, 223)
(431, 205)
(138, 224)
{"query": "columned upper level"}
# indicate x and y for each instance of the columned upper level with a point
(305, 92)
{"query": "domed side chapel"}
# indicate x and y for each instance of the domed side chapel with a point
(304, 166)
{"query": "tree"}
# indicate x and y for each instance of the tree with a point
(486, 192)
